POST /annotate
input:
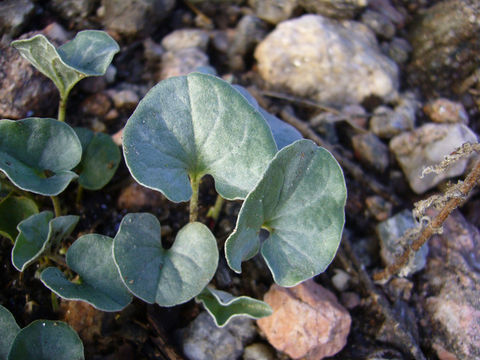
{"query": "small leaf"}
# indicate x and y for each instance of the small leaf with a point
(8, 330)
(13, 210)
(300, 200)
(100, 159)
(223, 306)
(91, 258)
(47, 340)
(88, 54)
(38, 234)
(154, 274)
(37, 154)
(195, 125)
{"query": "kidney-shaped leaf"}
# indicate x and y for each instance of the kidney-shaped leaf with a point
(223, 306)
(91, 258)
(37, 234)
(154, 274)
(13, 210)
(47, 340)
(8, 330)
(195, 125)
(100, 159)
(88, 54)
(300, 201)
(37, 154)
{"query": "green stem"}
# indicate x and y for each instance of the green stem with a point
(62, 107)
(195, 182)
(54, 299)
(56, 206)
(79, 194)
(214, 212)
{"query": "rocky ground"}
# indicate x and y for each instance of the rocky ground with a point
(388, 86)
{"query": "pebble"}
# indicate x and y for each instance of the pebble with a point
(337, 9)
(399, 50)
(273, 11)
(387, 122)
(258, 351)
(186, 38)
(135, 198)
(203, 340)
(379, 23)
(385, 7)
(97, 105)
(14, 15)
(182, 62)
(124, 99)
(76, 12)
(370, 150)
(378, 207)
(427, 146)
(350, 299)
(326, 60)
(307, 321)
(446, 111)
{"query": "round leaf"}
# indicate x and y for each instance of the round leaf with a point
(154, 274)
(223, 306)
(91, 258)
(47, 340)
(300, 200)
(88, 54)
(100, 159)
(195, 125)
(13, 210)
(37, 234)
(37, 154)
(8, 330)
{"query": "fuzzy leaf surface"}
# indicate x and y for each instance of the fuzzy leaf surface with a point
(88, 54)
(164, 276)
(8, 330)
(47, 340)
(90, 256)
(300, 200)
(223, 306)
(37, 154)
(37, 234)
(195, 125)
(13, 210)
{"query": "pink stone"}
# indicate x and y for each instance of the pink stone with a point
(307, 322)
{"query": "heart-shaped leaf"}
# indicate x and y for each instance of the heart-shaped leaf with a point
(154, 274)
(100, 159)
(37, 154)
(8, 330)
(300, 200)
(88, 54)
(195, 125)
(47, 340)
(14, 209)
(223, 306)
(37, 234)
(91, 258)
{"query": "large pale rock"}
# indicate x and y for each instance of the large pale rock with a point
(329, 61)
(307, 321)
(427, 146)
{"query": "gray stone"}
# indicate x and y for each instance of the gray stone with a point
(371, 151)
(393, 244)
(76, 12)
(124, 99)
(386, 8)
(273, 11)
(258, 351)
(379, 23)
(186, 38)
(203, 340)
(182, 62)
(446, 111)
(329, 61)
(14, 14)
(337, 9)
(133, 18)
(399, 50)
(427, 146)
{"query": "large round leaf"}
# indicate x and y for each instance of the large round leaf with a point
(154, 274)
(13, 210)
(300, 200)
(195, 125)
(89, 54)
(47, 340)
(37, 234)
(8, 330)
(91, 258)
(37, 154)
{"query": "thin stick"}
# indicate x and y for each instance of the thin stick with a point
(194, 200)
(214, 212)
(56, 206)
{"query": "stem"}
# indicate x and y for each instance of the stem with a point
(62, 107)
(54, 300)
(214, 212)
(195, 182)
(78, 199)
(56, 206)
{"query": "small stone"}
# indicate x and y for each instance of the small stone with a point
(136, 198)
(340, 280)
(400, 288)
(446, 111)
(386, 8)
(97, 105)
(83, 318)
(356, 115)
(379, 23)
(387, 122)
(124, 99)
(76, 12)
(258, 351)
(273, 11)
(186, 38)
(371, 151)
(203, 340)
(378, 207)
(337, 9)
(350, 300)
(427, 146)
(392, 243)
(307, 321)
(14, 15)
(399, 50)
(182, 62)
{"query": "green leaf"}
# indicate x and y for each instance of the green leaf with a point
(37, 154)
(38, 234)
(8, 330)
(154, 274)
(88, 54)
(223, 306)
(13, 210)
(91, 258)
(195, 125)
(300, 200)
(100, 159)
(47, 340)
